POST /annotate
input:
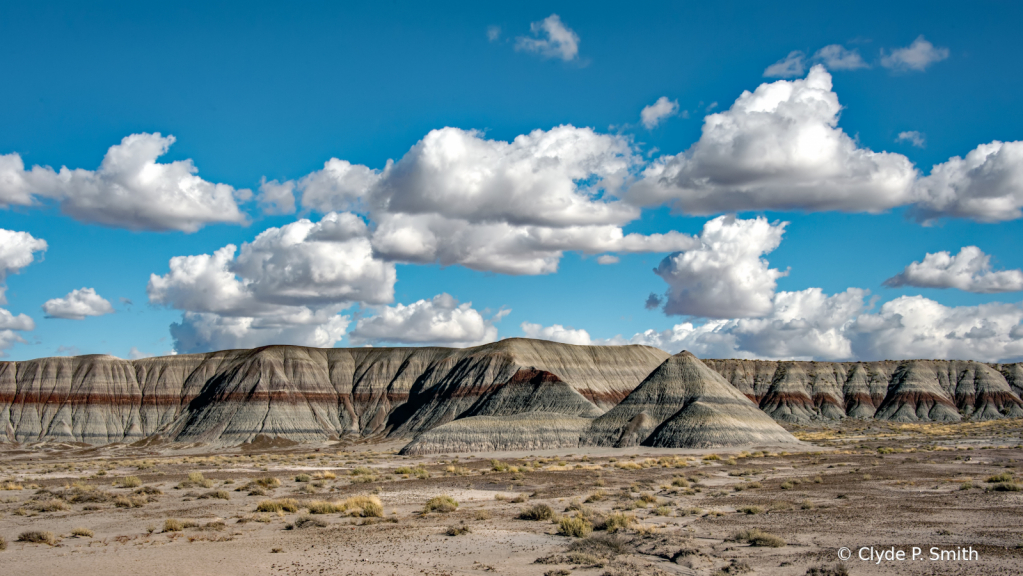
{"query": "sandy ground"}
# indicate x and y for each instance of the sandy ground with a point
(854, 484)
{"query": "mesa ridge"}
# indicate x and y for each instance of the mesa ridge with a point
(446, 399)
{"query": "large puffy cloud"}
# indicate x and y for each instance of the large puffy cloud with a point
(551, 39)
(809, 325)
(77, 305)
(724, 276)
(510, 207)
(440, 321)
(17, 250)
(129, 190)
(917, 56)
(778, 148)
(286, 286)
(557, 333)
(986, 186)
(970, 270)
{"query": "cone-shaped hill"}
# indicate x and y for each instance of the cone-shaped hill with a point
(685, 404)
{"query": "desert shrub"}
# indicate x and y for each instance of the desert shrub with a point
(458, 530)
(1006, 487)
(537, 512)
(663, 511)
(172, 525)
(966, 485)
(441, 504)
(11, 486)
(692, 511)
(824, 570)
(361, 471)
(268, 482)
(680, 482)
(498, 466)
(574, 527)
(458, 470)
(279, 505)
(3, 543)
(306, 522)
(482, 515)
(1003, 477)
(38, 537)
(83, 532)
(303, 478)
(616, 521)
(757, 537)
(149, 491)
(364, 507)
(751, 510)
(404, 470)
(218, 494)
(519, 499)
(787, 485)
(54, 505)
(711, 457)
(323, 507)
(130, 482)
(596, 496)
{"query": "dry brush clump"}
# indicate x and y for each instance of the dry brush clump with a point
(442, 503)
(537, 512)
(757, 537)
(82, 532)
(278, 505)
(130, 482)
(38, 537)
(575, 527)
(3, 543)
(365, 507)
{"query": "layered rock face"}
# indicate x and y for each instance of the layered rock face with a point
(903, 391)
(228, 397)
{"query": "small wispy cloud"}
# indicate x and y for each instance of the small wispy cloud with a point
(550, 39)
(917, 56)
(913, 137)
(652, 115)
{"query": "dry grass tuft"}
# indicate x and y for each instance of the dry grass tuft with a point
(83, 532)
(130, 482)
(279, 505)
(217, 494)
(38, 537)
(537, 512)
(443, 503)
(458, 530)
(756, 537)
(364, 507)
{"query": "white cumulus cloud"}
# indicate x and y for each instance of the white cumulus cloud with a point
(917, 56)
(556, 333)
(17, 250)
(986, 186)
(652, 115)
(276, 198)
(510, 207)
(725, 276)
(778, 148)
(550, 39)
(285, 287)
(970, 270)
(78, 304)
(440, 321)
(129, 190)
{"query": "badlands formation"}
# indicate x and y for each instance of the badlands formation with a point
(516, 394)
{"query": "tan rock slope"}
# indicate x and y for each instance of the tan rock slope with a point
(230, 397)
(685, 404)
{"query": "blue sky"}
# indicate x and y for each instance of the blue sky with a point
(259, 92)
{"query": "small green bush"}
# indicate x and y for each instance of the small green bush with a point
(1003, 477)
(574, 527)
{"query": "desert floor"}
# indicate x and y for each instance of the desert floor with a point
(164, 509)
